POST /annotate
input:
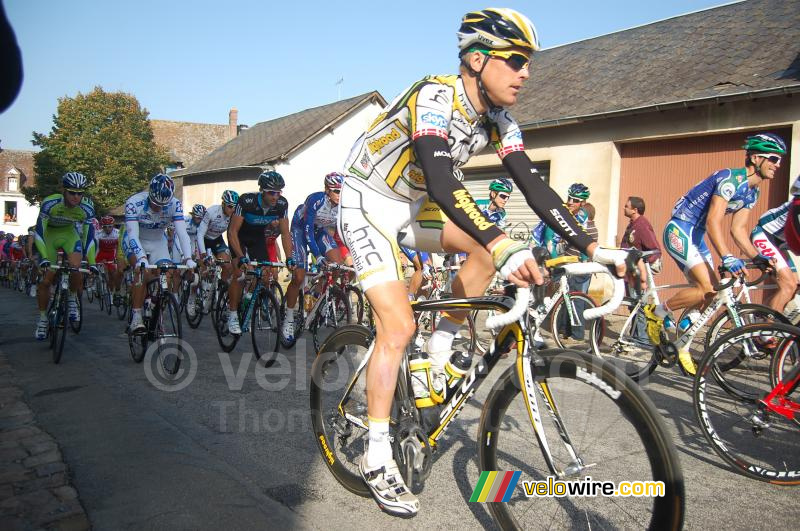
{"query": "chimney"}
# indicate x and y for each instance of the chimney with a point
(233, 119)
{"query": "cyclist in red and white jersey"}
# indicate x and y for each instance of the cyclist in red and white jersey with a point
(107, 244)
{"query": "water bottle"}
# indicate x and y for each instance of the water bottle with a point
(422, 380)
(687, 321)
(147, 309)
(456, 367)
(669, 324)
(308, 301)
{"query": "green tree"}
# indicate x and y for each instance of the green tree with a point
(104, 135)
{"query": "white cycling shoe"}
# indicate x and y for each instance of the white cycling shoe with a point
(233, 324)
(287, 330)
(389, 489)
(41, 329)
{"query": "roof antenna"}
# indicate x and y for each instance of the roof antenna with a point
(339, 88)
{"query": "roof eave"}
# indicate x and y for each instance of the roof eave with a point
(750, 94)
(186, 173)
(370, 98)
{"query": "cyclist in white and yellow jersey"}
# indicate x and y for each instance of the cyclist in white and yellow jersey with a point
(404, 186)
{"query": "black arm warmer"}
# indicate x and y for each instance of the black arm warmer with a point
(433, 155)
(544, 201)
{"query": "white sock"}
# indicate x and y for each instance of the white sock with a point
(290, 313)
(439, 341)
(379, 450)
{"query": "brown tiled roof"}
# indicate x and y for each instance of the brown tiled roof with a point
(188, 142)
(21, 160)
(266, 142)
(720, 52)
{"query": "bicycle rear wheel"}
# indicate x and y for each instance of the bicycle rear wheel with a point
(619, 344)
(333, 312)
(756, 442)
(341, 441)
(615, 430)
(265, 327)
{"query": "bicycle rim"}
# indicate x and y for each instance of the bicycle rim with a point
(559, 313)
(757, 443)
(265, 327)
(341, 442)
(169, 353)
(614, 429)
(227, 341)
(60, 327)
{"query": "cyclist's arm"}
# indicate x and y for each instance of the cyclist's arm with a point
(41, 226)
(233, 235)
(740, 233)
(134, 246)
(309, 215)
(716, 213)
(201, 233)
(183, 241)
(89, 243)
(433, 154)
(546, 203)
(286, 237)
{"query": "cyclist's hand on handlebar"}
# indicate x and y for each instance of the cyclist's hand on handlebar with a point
(291, 264)
(615, 257)
(733, 264)
(191, 264)
(243, 261)
(515, 263)
(94, 270)
(142, 263)
(763, 262)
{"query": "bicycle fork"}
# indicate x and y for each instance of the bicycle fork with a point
(531, 389)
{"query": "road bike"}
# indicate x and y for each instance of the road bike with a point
(58, 309)
(162, 321)
(588, 418)
(638, 357)
(259, 313)
(751, 417)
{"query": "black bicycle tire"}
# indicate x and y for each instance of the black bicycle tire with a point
(60, 337)
(358, 312)
(668, 511)
(195, 321)
(338, 295)
(699, 393)
(787, 348)
(587, 327)
(330, 348)
(744, 309)
(89, 294)
(169, 299)
(268, 354)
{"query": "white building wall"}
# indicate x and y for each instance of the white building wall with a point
(305, 171)
(26, 213)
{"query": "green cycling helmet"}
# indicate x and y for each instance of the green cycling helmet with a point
(765, 143)
(501, 185)
(578, 191)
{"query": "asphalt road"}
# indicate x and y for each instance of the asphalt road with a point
(234, 448)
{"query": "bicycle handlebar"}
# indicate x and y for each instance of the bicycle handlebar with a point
(588, 268)
(516, 311)
(749, 264)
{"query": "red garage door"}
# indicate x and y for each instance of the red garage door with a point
(661, 171)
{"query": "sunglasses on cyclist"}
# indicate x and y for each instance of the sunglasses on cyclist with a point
(573, 200)
(272, 192)
(516, 60)
(336, 191)
(504, 197)
(75, 192)
(775, 159)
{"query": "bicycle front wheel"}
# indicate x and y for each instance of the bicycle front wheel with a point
(756, 442)
(265, 327)
(561, 324)
(168, 334)
(615, 434)
(227, 341)
(341, 441)
(59, 318)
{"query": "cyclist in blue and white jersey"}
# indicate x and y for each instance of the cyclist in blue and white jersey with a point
(422, 263)
(192, 223)
(147, 216)
(727, 191)
(313, 228)
(769, 240)
(209, 234)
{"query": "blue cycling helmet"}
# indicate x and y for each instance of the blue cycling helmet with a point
(162, 189)
(74, 181)
(199, 210)
(229, 197)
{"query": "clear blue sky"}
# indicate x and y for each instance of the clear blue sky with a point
(194, 60)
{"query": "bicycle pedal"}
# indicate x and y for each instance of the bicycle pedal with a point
(668, 354)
